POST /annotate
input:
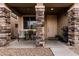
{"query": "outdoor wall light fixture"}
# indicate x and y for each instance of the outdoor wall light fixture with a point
(51, 8)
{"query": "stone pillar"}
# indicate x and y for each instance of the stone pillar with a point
(73, 27)
(40, 8)
(4, 25)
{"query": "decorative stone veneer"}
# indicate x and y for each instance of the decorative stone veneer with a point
(73, 26)
(4, 26)
(40, 25)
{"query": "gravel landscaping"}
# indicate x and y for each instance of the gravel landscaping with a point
(26, 52)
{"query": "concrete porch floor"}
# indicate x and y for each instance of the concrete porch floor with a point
(21, 44)
(57, 47)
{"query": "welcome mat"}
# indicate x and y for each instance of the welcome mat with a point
(26, 52)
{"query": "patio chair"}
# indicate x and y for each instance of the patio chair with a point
(26, 35)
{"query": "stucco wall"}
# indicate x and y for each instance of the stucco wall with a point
(20, 23)
(62, 21)
(13, 28)
(50, 25)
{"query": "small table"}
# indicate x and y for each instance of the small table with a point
(31, 33)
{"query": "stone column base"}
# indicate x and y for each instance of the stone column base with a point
(40, 43)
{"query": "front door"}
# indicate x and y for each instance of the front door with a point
(51, 26)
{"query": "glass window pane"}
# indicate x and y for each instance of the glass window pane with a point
(29, 22)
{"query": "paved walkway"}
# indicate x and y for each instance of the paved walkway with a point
(58, 48)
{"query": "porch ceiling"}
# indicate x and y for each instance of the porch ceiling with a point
(29, 8)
